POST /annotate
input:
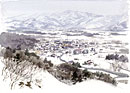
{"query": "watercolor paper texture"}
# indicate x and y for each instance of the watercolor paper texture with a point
(55, 46)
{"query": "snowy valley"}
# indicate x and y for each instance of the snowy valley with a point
(70, 51)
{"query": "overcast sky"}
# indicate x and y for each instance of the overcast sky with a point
(104, 7)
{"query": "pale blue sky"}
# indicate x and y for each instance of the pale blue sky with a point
(103, 7)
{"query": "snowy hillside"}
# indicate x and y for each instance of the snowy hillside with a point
(67, 20)
(52, 85)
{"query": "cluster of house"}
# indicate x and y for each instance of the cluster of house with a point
(74, 47)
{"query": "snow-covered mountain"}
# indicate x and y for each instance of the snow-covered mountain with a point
(68, 20)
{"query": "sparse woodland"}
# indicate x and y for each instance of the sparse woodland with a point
(22, 65)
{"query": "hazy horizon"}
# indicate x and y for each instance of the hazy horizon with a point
(100, 7)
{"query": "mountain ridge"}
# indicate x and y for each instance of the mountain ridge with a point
(69, 20)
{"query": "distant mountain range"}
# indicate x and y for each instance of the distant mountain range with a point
(68, 20)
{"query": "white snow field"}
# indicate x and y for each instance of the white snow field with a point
(49, 83)
(52, 85)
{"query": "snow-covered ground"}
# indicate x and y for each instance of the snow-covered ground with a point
(52, 85)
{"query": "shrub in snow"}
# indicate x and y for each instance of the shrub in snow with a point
(77, 64)
(121, 58)
(69, 72)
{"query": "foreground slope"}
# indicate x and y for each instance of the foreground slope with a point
(52, 85)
